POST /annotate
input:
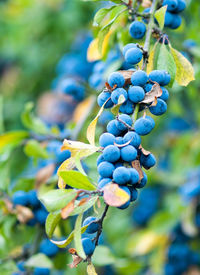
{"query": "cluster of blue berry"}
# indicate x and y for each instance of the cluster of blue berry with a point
(172, 18)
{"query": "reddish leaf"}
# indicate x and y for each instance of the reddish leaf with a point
(155, 92)
(44, 174)
(127, 76)
(66, 211)
(144, 152)
(137, 166)
(114, 195)
(76, 260)
(24, 214)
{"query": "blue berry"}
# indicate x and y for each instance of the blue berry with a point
(147, 161)
(32, 198)
(133, 137)
(41, 271)
(165, 94)
(21, 266)
(20, 197)
(176, 22)
(121, 175)
(117, 93)
(104, 182)
(106, 169)
(143, 126)
(171, 4)
(148, 87)
(157, 76)
(127, 108)
(151, 120)
(41, 215)
(143, 181)
(134, 194)
(100, 159)
(112, 128)
(133, 56)
(166, 79)
(137, 29)
(48, 248)
(159, 109)
(181, 6)
(128, 153)
(119, 140)
(106, 139)
(139, 78)
(116, 79)
(88, 246)
(126, 119)
(136, 94)
(111, 153)
(102, 98)
(92, 227)
(128, 46)
(105, 117)
(168, 19)
(134, 176)
(61, 156)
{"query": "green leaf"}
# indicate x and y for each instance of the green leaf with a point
(77, 237)
(103, 256)
(116, 12)
(76, 180)
(1, 115)
(84, 207)
(184, 69)
(39, 260)
(79, 165)
(100, 15)
(57, 199)
(160, 16)
(115, 109)
(12, 139)
(31, 122)
(34, 149)
(51, 223)
(166, 62)
(66, 242)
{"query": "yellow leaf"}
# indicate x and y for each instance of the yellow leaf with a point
(12, 138)
(76, 148)
(150, 64)
(82, 108)
(91, 270)
(160, 16)
(92, 127)
(93, 53)
(184, 69)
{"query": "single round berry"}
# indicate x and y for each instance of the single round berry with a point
(171, 4)
(48, 248)
(121, 175)
(123, 121)
(148, 87)
(106, 139)
(117, 93)
(104, 182)
(93, 226)
(143, 126)
(127, 108)
(133, 56)
(167, 79)
(151, 120)
(111, 153)
(20, 197)
(134, 176)
(176, 22)
(88, 246)
(157, 76)
(159, 109)
(112, 128)
(165, 94)
(147, 161)
(143, 181)
(41, 215)
(116, 79)
(136, 94)
(139, 78)
(41, 271)
(137, 29)
(134, 194)
(105, 169)
(128, 46)
(102, 98)
(168, 19)
(100, 159)
(32, 198)
(133, 137)
(119, 140)
(181, 6)
(128, 153)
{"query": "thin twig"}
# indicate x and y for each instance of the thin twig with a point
(100, 221)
